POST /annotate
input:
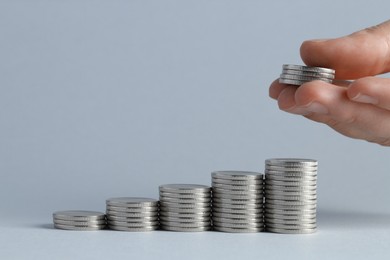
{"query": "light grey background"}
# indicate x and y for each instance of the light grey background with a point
(113, 98)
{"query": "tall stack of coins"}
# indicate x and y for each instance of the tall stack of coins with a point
(132, 214)
(79, 220)
(237, 201)
(185, 207)
(290, 195)
(297, 74)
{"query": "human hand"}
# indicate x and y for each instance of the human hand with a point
(358, 109)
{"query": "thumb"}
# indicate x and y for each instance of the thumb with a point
(363, 53)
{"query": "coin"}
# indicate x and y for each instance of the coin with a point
(130, 202)
(292, 231)
(308, 73)
(79, 215)
(307, 68)
(304, 78)
(238, 230)
(80, 223)
(79, 228)
(186, 229)
(237, 182)
(133, 229)
(185, 188)
(237, 175)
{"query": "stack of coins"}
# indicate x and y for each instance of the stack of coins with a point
(79, 220)
(237, 201)
(297, 74)
(185, 207)
(290, 195)
(132, 214)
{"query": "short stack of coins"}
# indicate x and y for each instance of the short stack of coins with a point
(290, 195)
(79, 220)
(298, 75)
(237, 201)
(185, 207)
(132, 214)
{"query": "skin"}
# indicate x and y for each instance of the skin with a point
(357, 108)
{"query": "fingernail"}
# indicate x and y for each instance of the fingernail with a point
(365, 99)
(317, 108)
(298, 111)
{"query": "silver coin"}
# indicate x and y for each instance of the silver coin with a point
(132, 210)
(237, 187)
(268, 216)
(290, 178)
(185, 215)
(185, 229)
(292, 162)
(185, 224)
(292, 82)
(77, 228)
(238, 206)
(237, 175)
(290, 221)
(133, 229)
(307, 68)
(308, 73)
(238, 192)
(185, 210)
(292, 202)
(235, 211)
(140, 219)
(291, 231)
(185, 204)
(291, 198)
(185, 195)
(288, 226)
(239, 230)
(290, 183)
(299, 207)
(132, 202)
(242, 215)
(131, 214)
(290, 188)
(79, 223)
(237, 225)
(132, 224)
(238, 220)
(296, 212)
(186, 219)
(248, 196)
(186, 200)
(185, 188)
(290, 193)
(287, 175)
(79, 215)
(238, 201)
(237, 182)
(303, 78)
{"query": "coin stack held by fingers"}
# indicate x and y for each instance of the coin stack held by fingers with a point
(291, 195)
(79, 220)
(185, 207)
(132, 214)
(298, 74)
(237, 201)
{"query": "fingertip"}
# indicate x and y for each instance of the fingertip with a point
(275, 89)
(313, 53)
(310, 91)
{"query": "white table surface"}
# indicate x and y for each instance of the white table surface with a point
(341, 235)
